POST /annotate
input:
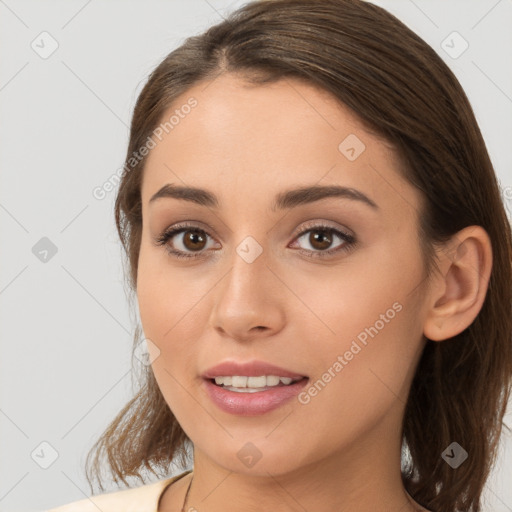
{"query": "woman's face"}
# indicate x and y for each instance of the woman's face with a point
(343, 308)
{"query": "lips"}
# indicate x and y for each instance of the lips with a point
(254, 403)
(249, 369)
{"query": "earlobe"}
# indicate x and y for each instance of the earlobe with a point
(460, 289)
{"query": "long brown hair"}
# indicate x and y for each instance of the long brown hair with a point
(401, 90)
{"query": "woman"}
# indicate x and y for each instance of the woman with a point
(322, 263)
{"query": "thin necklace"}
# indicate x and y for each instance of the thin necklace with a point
(188, 489)
(186, 495)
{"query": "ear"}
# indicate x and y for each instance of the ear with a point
(459, 291)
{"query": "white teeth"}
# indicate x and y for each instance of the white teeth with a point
(272, 380)
(256, 382)
(239, 382)
(263, 381)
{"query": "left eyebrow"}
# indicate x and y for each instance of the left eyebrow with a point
(304, 195)
(284, 200)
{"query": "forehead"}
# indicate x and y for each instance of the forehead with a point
(256, 140)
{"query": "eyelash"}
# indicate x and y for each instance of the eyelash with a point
(162, 239)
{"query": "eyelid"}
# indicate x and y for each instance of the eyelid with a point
(191, 224)
(325, 223)
(180, 227)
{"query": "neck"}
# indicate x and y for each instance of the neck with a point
(366, 478)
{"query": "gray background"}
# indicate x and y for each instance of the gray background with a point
(65, 322)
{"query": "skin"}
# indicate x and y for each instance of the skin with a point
(341, 451)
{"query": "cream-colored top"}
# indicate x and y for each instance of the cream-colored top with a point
(145, 498)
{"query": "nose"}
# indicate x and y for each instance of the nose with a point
(249, 302)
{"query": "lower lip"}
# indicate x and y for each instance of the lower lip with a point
(252, 404)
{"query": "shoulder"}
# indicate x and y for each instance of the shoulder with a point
(138, 499)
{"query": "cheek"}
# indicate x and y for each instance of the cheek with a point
(169, 303)
(169, 298)
(368, 317)
(341, 302)
(174, 310)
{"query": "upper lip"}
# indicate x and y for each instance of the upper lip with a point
(249, 369)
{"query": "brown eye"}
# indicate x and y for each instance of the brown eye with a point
(321, 238)
(185, 241)
(320, 241)
(194, 240)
